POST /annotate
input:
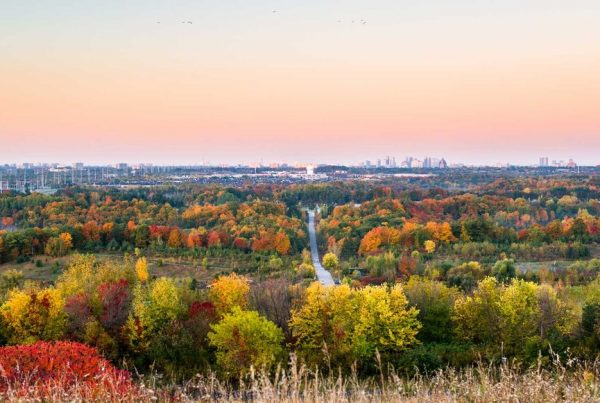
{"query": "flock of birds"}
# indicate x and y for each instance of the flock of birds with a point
(361, 21)
(182, 22)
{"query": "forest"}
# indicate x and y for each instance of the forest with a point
(183, 292)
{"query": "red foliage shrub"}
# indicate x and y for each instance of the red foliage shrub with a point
(205, 309)
(78, 310)
(241, 243)
(372, 280)
(61, 365)
(214, 239)
(116, 300)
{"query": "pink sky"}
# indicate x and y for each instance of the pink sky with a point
(479, 87)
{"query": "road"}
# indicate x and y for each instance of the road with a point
(323, 275)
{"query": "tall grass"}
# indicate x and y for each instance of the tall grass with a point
(570, 380)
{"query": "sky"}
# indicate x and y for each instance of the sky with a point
(332, 81)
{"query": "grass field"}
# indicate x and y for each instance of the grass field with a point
(177, 267)
(508, 382)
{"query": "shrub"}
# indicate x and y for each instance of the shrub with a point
(58, 364)
(243, 339)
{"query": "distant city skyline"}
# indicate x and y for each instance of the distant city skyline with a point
(475, 82)
(387, 161)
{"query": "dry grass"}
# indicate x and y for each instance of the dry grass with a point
(571, 381)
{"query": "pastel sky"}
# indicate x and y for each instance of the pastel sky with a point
(477, 81)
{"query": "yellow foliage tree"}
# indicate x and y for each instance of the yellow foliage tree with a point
(330, 261)
(67, 240)
(85, 274)
(154, 306)
(229, 291)
(429, 246)
(351, 325)
(141, 269)
(32, 315)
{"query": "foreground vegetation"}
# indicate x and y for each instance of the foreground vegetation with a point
(561, 381)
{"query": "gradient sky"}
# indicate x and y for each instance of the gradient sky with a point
(474, 81)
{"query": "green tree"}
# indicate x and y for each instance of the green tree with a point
(384, 322)
(435, 302)
(244, 339)
(477, 318)
(504, 270)
(9, 280)
(520, 314)
(465, 276)
(154, 306)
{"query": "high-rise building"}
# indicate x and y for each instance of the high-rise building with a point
(416, 163)
(544, 162)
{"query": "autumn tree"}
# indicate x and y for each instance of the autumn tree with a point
(141, 269)
(478, 317)
(10, 279)
(330, 261)
(274, 298)
(282, 243)
(60, 245)
(244, 339)
(385, 323)
(32, 315)
(504, 270)
(90, 231)
(435, 302)
(228, 292)
(174, 240)
(520, 314)
(153, 307)
(429, 246)
(352, 324)
(465, 276)
(378, 237)
(85, 273)
(383, 265)
(305, 270)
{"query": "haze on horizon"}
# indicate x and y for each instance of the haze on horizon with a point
(227, 82)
